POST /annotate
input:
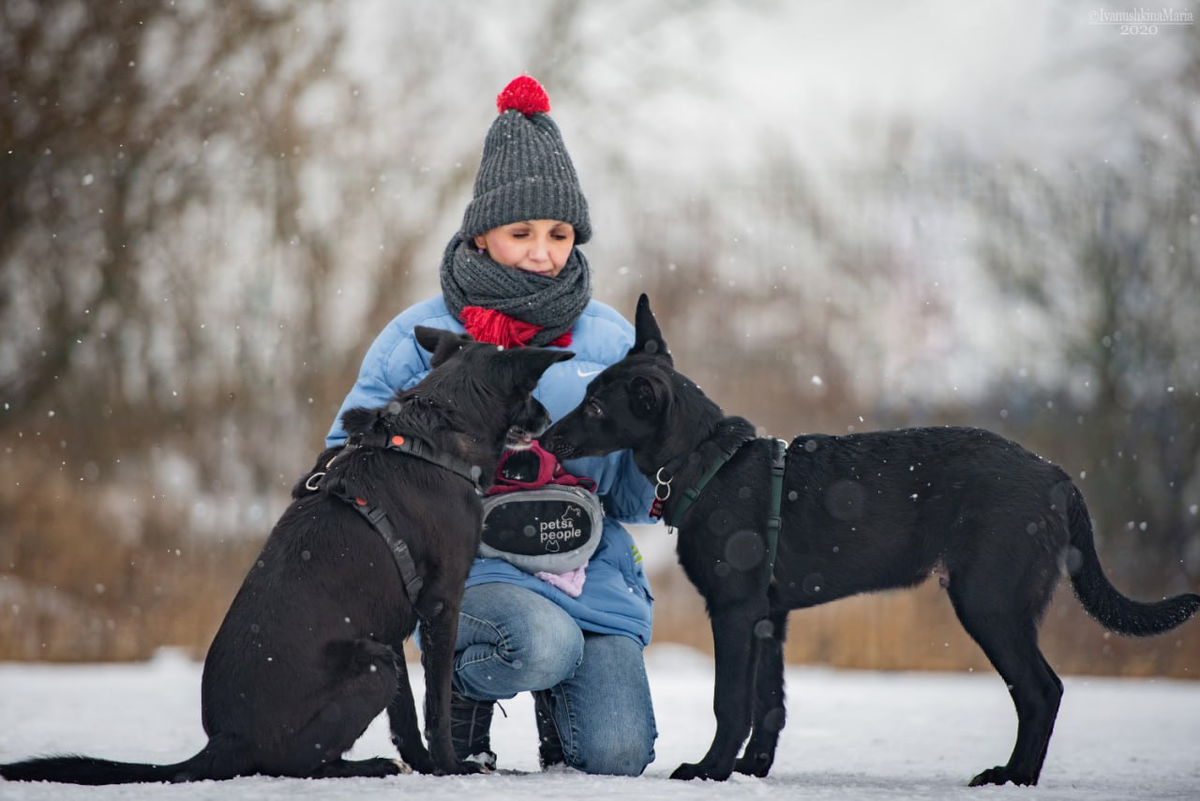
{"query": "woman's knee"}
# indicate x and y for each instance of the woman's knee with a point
(531, 635)
(623, 750)
(608, 709)
(546, 651)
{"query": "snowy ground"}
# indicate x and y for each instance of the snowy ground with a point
(850, 735)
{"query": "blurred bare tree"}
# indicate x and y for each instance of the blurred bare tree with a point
(146, 145)
(145, 142)
(1109, 257)
(207, 214)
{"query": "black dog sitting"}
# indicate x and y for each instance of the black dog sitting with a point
(766, 527)
(375, 541)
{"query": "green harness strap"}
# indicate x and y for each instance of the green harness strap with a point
(693, 492)
(774, 519)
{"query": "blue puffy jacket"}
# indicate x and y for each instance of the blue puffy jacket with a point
(616, 595)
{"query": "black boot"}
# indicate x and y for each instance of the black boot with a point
(470, 727)
(550, 750)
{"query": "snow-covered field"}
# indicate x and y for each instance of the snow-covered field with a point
(849, 735)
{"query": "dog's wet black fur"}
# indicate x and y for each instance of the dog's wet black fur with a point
(310, 650)
(875, 511)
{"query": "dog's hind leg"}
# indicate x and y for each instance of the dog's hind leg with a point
(225, 757)
(402, 719)
(376, 768)
(361, 684)
(1041, 757)
(769, 704)
(1009, 638)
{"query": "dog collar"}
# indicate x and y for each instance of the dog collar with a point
(420, 449)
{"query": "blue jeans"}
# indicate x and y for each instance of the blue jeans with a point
(512, 640)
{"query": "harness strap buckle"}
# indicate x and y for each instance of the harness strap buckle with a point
(375, 515)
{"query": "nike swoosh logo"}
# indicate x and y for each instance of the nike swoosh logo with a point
(588, 374)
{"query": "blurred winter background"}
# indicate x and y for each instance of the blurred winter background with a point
(848, 217)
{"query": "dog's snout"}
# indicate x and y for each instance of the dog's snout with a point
(558, 446)
(532, 418)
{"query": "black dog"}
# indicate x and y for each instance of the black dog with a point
(309, 652)
(762, 531)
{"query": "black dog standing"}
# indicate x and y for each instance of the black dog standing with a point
(764, 529)
(375, 541)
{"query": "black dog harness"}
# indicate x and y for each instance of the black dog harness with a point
(373, 513)
(662, 491)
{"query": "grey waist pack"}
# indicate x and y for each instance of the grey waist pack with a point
(554, 528)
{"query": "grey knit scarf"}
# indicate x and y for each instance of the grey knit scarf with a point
(471, 278)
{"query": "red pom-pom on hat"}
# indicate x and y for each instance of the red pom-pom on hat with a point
(525, 95)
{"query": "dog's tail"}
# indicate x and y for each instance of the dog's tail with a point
(1103, 601)
(218, 760)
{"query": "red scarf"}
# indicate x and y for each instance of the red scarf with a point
(489, 325)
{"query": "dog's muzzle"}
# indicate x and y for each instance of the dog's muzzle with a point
(558, 446)
(518, 439)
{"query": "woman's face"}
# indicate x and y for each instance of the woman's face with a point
(535, 246)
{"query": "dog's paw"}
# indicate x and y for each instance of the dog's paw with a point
(422, 766)
(465, 768)
(688, 771)
(382, 766)
(1001, 774)
(754, 765)
(417, 761)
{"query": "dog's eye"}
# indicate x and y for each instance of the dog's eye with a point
(593, 409)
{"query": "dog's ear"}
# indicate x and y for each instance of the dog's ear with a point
(530, 363)
(649, 339)
(648, 394)
(442, 344)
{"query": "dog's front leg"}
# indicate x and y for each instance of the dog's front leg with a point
(438, 632)
(733, 690)
(402, 717)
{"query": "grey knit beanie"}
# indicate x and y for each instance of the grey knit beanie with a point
(525, 172)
